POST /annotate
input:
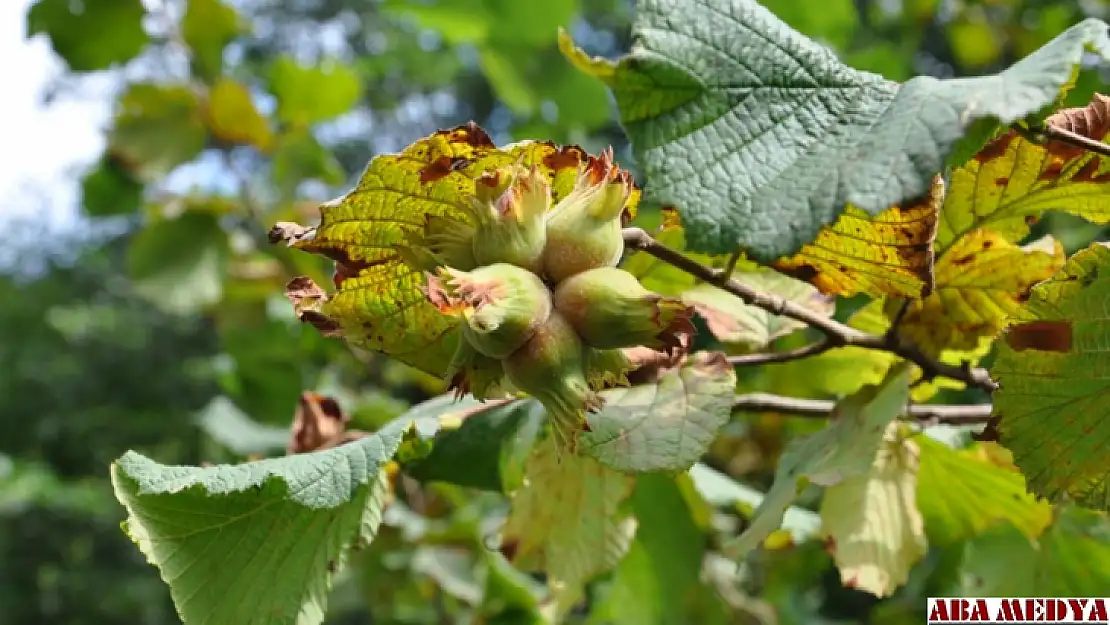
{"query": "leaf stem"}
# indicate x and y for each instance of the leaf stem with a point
(969, 414)
(836, 334)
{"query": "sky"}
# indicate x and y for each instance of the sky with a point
(43, 147)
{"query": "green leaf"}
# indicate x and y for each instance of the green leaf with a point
(274, 531)
(843, 449)
(458, 21)
(961, 494)
(231, 427)
(488, 450)
(722, 491)
(307, 95)
(208, 26)
(157, 128)
(666, 425)
(1052, 407)
(90, 35)
(505, 76)
(232, 116)
(567, 520)
(108, 189)
(1072, 559)
(733, 321)
(179, 264)
(877, 532)
(761, 136)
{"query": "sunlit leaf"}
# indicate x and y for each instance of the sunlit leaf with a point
(1011, 182)
(888, 254)
(232, 116)
(1054, 403)
(275, 530)
(876, 531)
(207, 27)
(733, 321)
(90, 35)
(157, 128)
(843, 449)
(960, 495)
(982, 280)
(762, 149)
(310, 94)
(567, 519)
(379, 304)
(665, 425)
(180, 264)
(108, 189)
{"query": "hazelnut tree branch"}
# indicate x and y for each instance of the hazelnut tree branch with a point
(970, 414)
(836, 334)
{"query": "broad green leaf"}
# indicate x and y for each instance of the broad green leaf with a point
(1053, 369)
(666, 425)
(529, 23)
(307, 95)
(835, 24)
(458, 21)
(843, 449)
(298, 157)
(981, 282)
(732, 321)
(505, 75)
(567, 520)
(108, 189)
(876, 531)
(656, 582)
(720, 490)
(1011, 182)
(961, 494)
(90, 35)
(274, 531)
(761, 136)
(888, 254)
(207, 27)
(997, 562)
(488, 450)
(180, 264)
(379, 304)
(1071, 559)
(156, 128)
(231, 427)
(232, 116)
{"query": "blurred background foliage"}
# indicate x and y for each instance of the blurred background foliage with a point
(157, 322)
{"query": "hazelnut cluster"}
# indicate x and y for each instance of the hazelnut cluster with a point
(537, 293)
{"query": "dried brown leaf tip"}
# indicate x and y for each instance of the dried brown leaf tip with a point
(290, 233)
(648, 365)
(319, 423)
(1091, 121)
(307, 298)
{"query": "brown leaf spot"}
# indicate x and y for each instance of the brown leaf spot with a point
(963, 260)
(476, 136)
(1052, 172)
(441, 167)
(1045, 336)
(995, 149)
(566, 157)
(1001, 181)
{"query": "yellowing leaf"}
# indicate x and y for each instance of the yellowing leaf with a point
(1011, 182)
(233, 117)
(157, 128)
(876, 530)
(888, 254)
(567, 519)
(733, 321)
(981, 281)
(1053, 407)
(961, 494)
(379, 304)
(845, 448)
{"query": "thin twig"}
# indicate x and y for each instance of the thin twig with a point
(768, 358)
(836, 333)
(1073, 138)
(970, 414)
